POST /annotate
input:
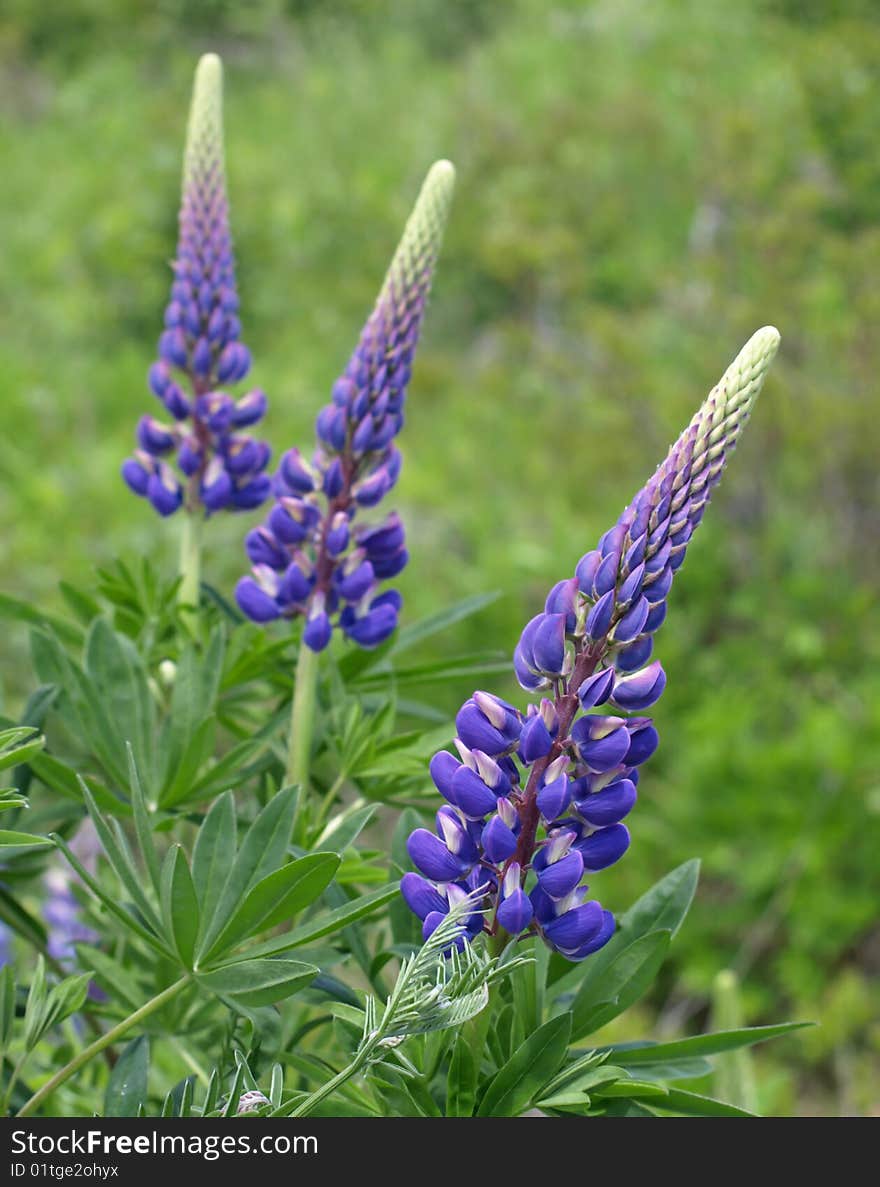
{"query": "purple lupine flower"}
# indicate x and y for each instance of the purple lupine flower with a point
(337, 565)
(536, 801)
(219, 464)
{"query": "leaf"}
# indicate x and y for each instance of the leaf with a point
(15, 840)
(694, 1105)
(417, 632)
(461, 1082)
(127, 1086)
(142, 822)
(234, 1093)
(343, 830)
(665, 905)
(118, 676)
(324, 925)
(15, 916)
(63, 779)
(263, 848)
(198, 749)
(7, 1006)
(405, 928)
(631, 1090)
(112, 976)
(35, 1006)
(22, 611)
(274, 899)
(521, 1079)
(258, 982)
(710, 1044)
(227, 771)
(116, 849)
(180, 907)
(196, 684)
(127, 919)
(65, 998)
(18, 745)
(623, 982)
(462, 667)
(214, 853)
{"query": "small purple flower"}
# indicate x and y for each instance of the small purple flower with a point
(563, 776)
(200, 349)
(356, 462)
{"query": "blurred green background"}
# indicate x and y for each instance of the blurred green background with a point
(641, 185)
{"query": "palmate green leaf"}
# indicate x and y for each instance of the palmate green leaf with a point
(199, 747)
(229, 770)
(624, 981)
(258, 982)
(628, 1054)
(196, 685)
(327, 923)
(520, 1081)
(274, 899)
(180, 907)
(118, 676)
(262, 850)
(127, 1087)
(80, 705)
(125, 917)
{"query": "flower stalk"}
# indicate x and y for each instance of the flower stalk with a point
(302, 727)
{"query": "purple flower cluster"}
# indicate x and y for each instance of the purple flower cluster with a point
(219, 464)
(308, 557)
(535, 801)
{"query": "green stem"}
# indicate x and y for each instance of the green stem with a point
(111, 1036)
(190, 559)
(304, 1108)
(302, 723)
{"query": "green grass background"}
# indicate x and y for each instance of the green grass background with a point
(641, 185)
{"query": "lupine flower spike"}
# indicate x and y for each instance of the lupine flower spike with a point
(309, 558)
(219, 465)
(535, 801)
